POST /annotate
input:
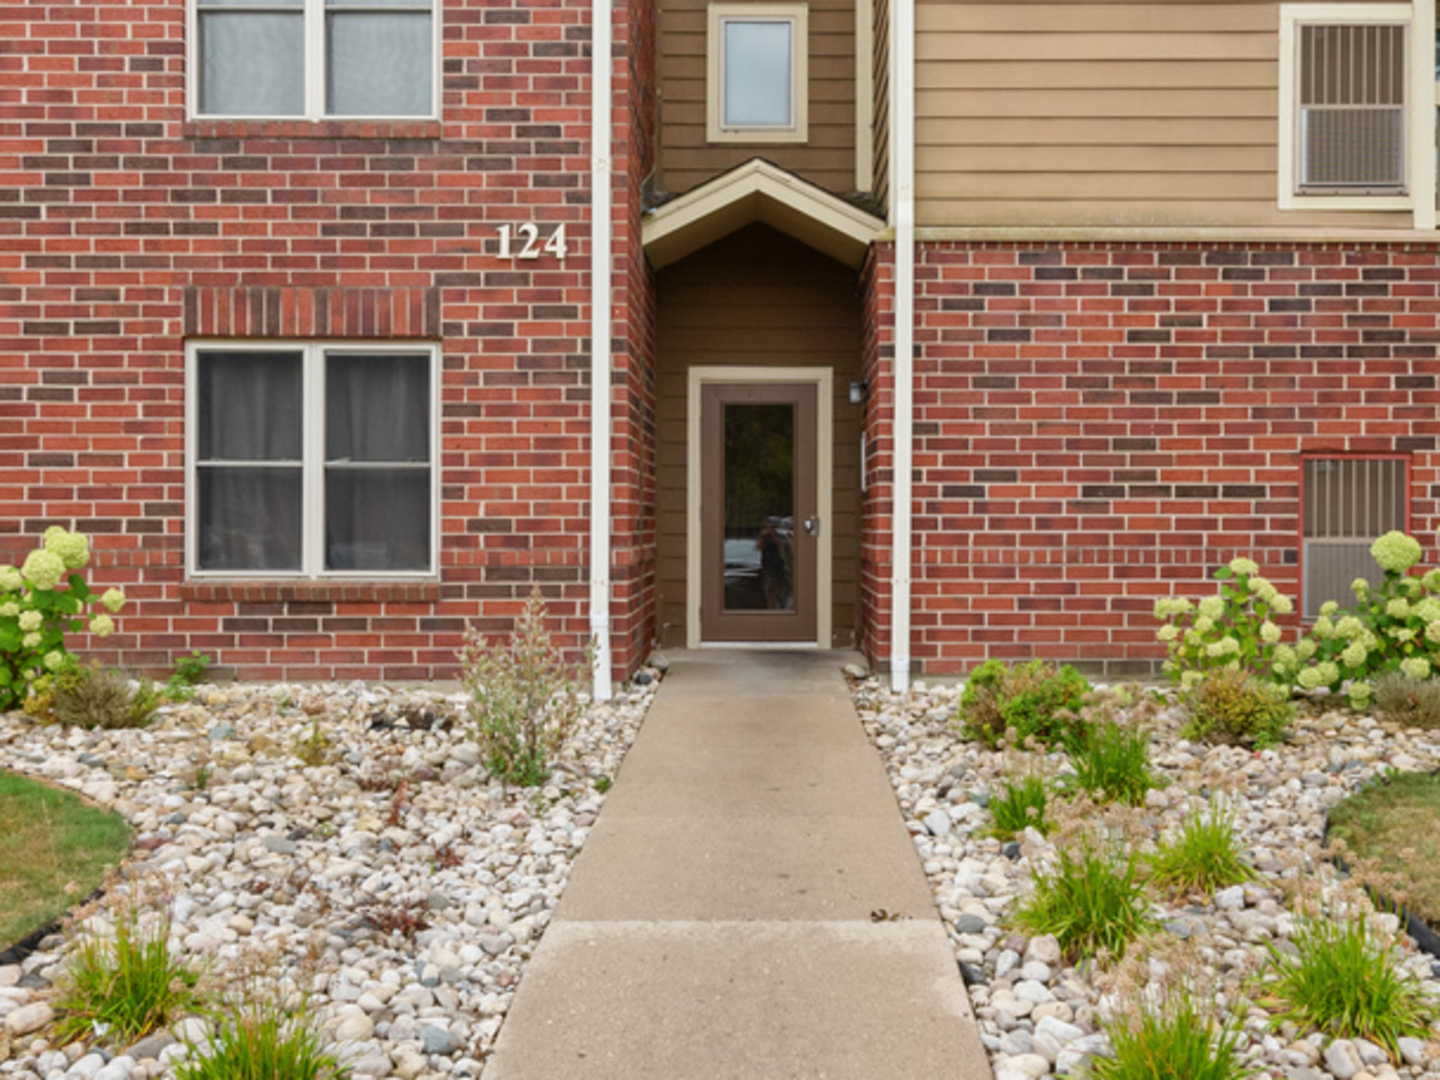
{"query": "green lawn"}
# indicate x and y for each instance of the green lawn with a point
(1392, 823)
(54, 851)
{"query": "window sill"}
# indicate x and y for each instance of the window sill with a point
(418, 128)
(261, 592)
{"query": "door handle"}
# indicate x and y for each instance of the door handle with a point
(812, 525)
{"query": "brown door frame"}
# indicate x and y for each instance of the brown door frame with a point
(758, 380)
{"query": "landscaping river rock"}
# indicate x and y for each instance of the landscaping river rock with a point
(344, 840)
(1039, 1015)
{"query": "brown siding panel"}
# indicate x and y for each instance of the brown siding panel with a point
(756, 298)
(1102, 114)
(687, 160)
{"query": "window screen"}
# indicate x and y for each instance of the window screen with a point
(1348, 502)
(1352, 107)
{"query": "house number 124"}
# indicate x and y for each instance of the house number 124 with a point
(523, 242)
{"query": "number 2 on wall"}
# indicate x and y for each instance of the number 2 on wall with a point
(523, 242)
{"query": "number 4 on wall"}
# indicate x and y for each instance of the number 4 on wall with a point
(523, 242)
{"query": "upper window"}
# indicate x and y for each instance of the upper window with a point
(1343, 106)
(757, 81)
(313, 59)
(1346, 504)
(310, 460)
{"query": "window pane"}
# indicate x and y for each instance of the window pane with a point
(377, 519)
(250, 518)
(757, 78)
(380, 64)
(252, 64)
(377, 407)
(249, 406)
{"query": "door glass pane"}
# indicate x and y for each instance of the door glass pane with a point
(759, 507)
(757, 74)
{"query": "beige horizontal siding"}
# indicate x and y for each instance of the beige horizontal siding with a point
(1092, 114)
(686, 159)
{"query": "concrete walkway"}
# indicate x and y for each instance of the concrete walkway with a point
(719, 921)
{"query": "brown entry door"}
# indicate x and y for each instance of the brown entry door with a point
(758, 512)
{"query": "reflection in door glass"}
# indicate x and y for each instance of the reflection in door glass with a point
(759, 507)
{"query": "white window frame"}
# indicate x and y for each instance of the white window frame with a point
(1292, 17)
(315, 66)
(313, 354)
(798, 16)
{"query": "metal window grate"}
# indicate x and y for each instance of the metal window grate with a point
(1352, 107)
(1348, 503)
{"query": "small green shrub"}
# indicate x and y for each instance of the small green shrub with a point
(1205, 856)
(313, 748)
(1035, 700)
(1409, 702)
(1174, 1041)
(524, 700)
(1112, 763)
(125, 987)
(1093, 903)
(1019, 805)
(92, 697)
(1343, 982)
(1234, 707)
(262, 1040)
(189, 673)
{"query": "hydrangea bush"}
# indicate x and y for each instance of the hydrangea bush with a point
(1230, 631)
(40, 603)
(1392, 627)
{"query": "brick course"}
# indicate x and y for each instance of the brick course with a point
(1098, 425)
(125, 228)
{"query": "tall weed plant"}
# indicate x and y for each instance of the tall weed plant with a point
(40, 602)
(1174, 1039)
(524, 699)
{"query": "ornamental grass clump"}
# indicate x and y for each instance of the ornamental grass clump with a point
(1343, 981)
(1408, 702)
(1233, 630)
(1034, 701)
(1394, 626)
(1112, 763)
(1092, 900)
(262, 1039)
(1019, 805)
(122, 988)
(1172, 1039)
(40, 603)
(524, 700)
(1204, 856)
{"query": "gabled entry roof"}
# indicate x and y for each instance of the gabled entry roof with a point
(759, 191)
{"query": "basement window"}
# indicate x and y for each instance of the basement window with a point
(1346, 503)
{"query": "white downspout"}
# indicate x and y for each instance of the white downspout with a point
(601, 48)
(902, 201)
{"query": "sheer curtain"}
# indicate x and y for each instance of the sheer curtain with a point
(248, 466)
(252, 63)
(380, 61)
(377, 461)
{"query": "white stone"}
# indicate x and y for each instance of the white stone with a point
(1044, 949)
(1342, 1059)
(29, 1018)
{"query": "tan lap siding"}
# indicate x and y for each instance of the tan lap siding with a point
(756, 298)
(1118, 114)
(687, 160)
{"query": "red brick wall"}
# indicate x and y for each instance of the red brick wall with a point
(1098, 425)
(123, 227)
